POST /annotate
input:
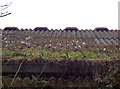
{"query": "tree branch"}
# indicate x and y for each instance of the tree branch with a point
(3, 14)
(3, 7)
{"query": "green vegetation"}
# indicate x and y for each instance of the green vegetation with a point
(40, 53)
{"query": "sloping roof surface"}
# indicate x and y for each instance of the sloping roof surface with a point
(110, 37)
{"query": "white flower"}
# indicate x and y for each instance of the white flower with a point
(23, 42)
(83, 43)
(6, 45)
(77, 41)
(27, 38)
(28, 43)
(75, 47)
(50, 45)
(79, 46)
(104, 49)
(6, 41)
(72, 43)
(55, 47)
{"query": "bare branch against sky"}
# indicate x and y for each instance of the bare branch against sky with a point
(4, 7)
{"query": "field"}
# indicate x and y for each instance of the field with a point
(60, 59)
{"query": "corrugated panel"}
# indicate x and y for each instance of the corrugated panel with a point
(114, 34)
(97, 35)
(102, 41)
(92, 34)
(97, 41)
(107, 35)
(102, 35)
(88, 35)
(64, 34)
(59, 34)
(73, 35)
(78, 34)
(113, 41)
(108, 41)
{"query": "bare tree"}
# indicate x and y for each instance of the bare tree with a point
(3, 8)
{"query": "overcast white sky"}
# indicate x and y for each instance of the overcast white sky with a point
(58, 14)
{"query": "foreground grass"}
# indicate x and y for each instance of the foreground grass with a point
(110, 80)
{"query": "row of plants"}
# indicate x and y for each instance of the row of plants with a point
(41, 53)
